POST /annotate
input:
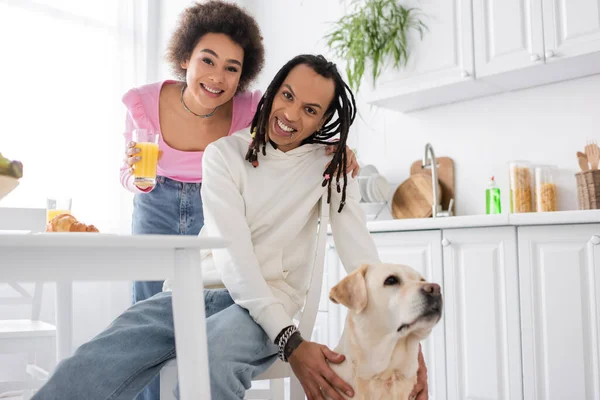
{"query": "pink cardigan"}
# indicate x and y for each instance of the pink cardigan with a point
(182, 166)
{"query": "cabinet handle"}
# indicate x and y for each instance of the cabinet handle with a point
(464, 74)
(446, 242)
(535, 57)
(595, 240)
(549, 54)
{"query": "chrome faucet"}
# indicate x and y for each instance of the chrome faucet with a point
(429, 160)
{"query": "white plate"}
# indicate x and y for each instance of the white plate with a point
(367, 170)
(379, 188)
(76, 233)
(7, 185)
(364, 176)
(363, 182)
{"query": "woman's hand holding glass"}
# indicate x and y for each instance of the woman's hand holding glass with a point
(142, 155)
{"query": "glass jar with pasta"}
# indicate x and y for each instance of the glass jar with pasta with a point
(545, 189)
(520, 187)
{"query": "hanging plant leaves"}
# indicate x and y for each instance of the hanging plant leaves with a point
(376, 32)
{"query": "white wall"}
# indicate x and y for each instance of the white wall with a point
(545, 125)
(169, 15)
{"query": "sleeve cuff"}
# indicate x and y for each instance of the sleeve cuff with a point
(130, 185)
(273, 320)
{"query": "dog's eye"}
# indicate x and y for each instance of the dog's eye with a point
(391, 280)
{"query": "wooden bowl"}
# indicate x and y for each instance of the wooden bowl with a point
(7, 185)
(414, 197)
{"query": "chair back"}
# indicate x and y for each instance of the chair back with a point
(308, 314)
(306, 317)
(23, 219)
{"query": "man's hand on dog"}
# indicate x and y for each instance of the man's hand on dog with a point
(421, 392)
(309, 363)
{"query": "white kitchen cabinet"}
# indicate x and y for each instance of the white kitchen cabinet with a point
(571, 28)
(524, 43)
(422, 251)
(508, 35)
(560, 301)
(482, 47)
(483, 346)
(443, 59)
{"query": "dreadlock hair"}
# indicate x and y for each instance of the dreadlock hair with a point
(343, 107)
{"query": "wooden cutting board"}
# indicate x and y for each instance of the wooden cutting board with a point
(414, 197)
(445, 177)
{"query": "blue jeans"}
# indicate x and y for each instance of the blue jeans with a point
(119, 362)
(172, 208)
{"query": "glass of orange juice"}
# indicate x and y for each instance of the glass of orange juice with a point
(144, 171)
(56, 206)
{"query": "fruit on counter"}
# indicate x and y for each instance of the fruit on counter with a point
(11, 168)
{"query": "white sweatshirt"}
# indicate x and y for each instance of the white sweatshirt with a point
(269, 214)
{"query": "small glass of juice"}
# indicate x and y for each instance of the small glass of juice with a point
(56, 206)
(144, 171)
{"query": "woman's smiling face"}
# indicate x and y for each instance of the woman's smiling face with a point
(213, 70)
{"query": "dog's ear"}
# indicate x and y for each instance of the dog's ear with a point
(352, 290)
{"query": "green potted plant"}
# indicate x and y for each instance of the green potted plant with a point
(375, 32)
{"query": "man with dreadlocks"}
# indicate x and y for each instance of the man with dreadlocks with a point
(261, 189)
(266, 204)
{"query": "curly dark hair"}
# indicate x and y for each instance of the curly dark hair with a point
(217, 17)
(343, 107)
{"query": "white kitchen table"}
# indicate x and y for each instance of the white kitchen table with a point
(67, 257)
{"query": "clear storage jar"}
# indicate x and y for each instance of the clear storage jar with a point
(520, 187)
(545, 189)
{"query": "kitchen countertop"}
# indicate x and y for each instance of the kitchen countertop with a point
(473, 221)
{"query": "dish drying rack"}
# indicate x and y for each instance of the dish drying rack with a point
(373, 191)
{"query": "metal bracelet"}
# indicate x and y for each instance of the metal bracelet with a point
(283, 341)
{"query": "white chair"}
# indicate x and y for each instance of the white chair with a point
(30, 336)
(306, 317)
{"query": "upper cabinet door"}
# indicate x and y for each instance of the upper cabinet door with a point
(443, 57)
(508, 35)
(571, 28)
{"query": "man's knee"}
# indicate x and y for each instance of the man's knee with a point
(236, 347)
(234, 330)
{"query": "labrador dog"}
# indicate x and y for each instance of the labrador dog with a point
(391, 308)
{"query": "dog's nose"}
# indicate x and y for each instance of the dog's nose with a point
(431, 289)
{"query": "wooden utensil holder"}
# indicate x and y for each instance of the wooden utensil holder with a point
(588, 189)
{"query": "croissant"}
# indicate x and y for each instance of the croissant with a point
(68, 223)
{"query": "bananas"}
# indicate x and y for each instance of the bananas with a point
(11, 168)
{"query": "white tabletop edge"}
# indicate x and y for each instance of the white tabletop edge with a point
(92, 240)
